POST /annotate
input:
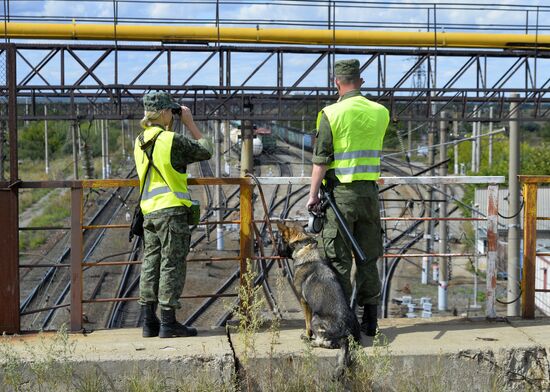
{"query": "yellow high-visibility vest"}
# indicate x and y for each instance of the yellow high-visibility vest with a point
(158, 194)
(358, 128)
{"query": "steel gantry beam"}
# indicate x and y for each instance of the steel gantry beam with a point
(469, 83)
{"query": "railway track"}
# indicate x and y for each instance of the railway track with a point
(49, 284)
(282, 200)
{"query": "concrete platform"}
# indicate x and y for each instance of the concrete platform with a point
(516, 348)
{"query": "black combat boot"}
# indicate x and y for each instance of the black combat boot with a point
(170, 328)
(369, 323)
(151, 323)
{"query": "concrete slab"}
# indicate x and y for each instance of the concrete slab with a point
(121, 354)
(452, 348)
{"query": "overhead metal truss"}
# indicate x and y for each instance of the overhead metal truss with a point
(103, 90)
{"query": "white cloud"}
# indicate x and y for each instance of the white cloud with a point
(76, 9)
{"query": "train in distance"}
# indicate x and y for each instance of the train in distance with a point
(257, 144)
(265, 138)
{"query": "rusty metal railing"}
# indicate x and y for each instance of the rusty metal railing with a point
(77, 264)
(77, 226)
(530, 185)
(492, 220)
(77, 301)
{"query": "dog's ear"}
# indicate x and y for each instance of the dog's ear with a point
(283, 229)
(296, 233)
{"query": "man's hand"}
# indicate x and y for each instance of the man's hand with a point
(312, 202)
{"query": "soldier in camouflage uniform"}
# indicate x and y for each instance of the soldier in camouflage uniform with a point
(165, 204)
(346, 156)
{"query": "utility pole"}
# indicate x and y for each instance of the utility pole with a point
(490, 158)
(103, 153)
(409, 137)
(455, 146)
(474, 143)
(431, 161)
(26, 110)
(46, 160)
(218, 191)
(478, 145)
(514, 231)
(303, 137)
(443, 271)
(122, 135)
(247, 158)
(107, 163)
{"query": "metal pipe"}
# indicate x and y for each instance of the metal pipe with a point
(73, 31)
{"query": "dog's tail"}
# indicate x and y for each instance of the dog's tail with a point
(344, 358)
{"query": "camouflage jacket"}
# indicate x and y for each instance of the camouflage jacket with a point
(184, 152)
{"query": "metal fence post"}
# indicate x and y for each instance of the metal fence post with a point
(492, 242)
(529, 250)
(9, 213)
(77, 240)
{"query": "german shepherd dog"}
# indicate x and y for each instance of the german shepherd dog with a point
(329, 319)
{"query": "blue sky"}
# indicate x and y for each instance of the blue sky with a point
(396, 15)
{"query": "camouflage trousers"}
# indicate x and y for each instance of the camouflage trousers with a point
(360, 206)
(166, 245)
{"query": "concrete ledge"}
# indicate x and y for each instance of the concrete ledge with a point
(465, 354)
(121, 354)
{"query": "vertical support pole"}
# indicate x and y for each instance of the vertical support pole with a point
(76, 256)
(303, 142)
(424, 276)
(107, 162)
(246, 225)
(46, 152)
(9, 233)
(513, 210)
(409, 137)
(218, 188)
(443, 270)
(75, 151)
(429, 225)
(103, 165)
(122, 142)
(490, 158)
(492, 243)
(478, 145)
(529, 250)
(455, 147)
(247, 157)
(474, 143)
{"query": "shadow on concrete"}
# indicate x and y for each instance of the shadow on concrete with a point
(459, 324)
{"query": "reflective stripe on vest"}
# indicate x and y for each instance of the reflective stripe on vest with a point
(358, 127)
(158, 194)
(149, 194)
(357, 154)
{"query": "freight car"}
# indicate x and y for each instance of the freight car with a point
(293, 136)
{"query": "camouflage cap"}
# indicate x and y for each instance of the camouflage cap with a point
(346, 68)
(158, 100)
